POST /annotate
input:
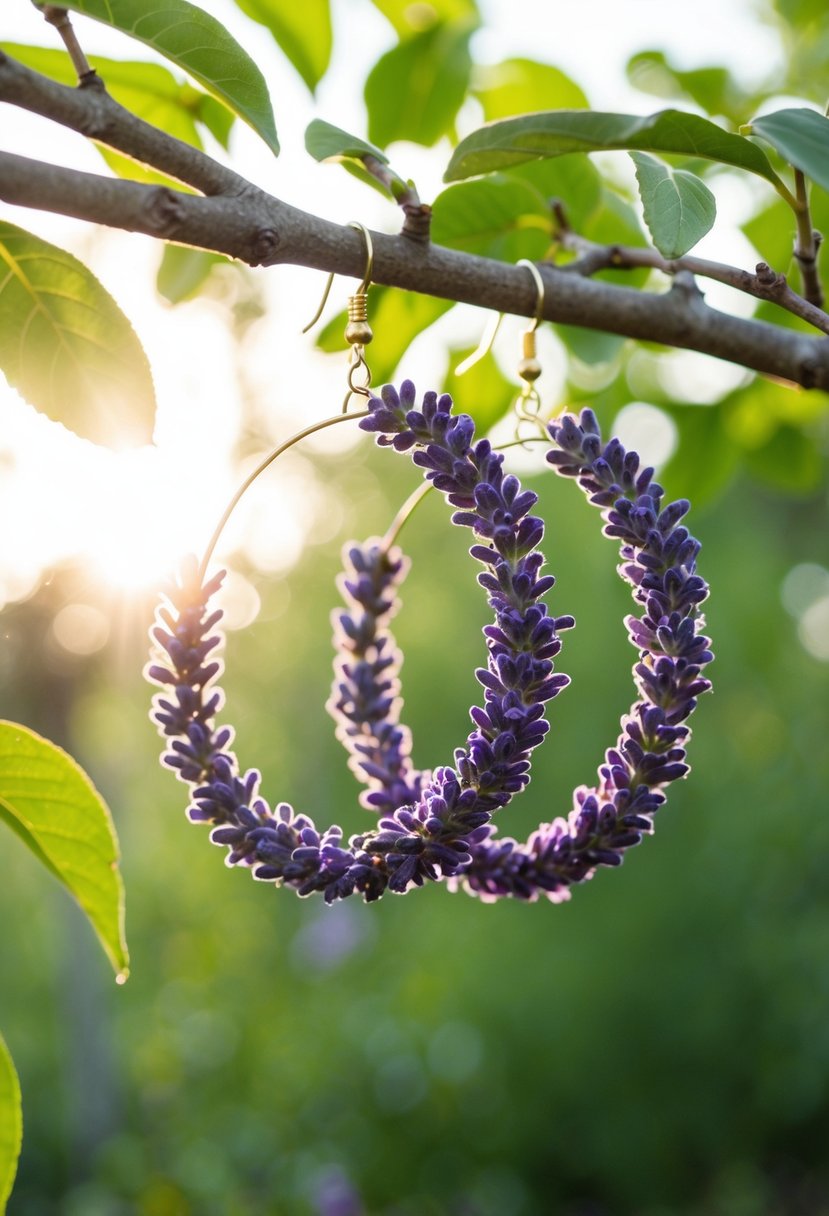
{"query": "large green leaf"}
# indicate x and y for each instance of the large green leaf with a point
(801, 137)
(515, 86)
(303, 32)
(679, 208)
(11, 1124)
(66, 345)
(416, 89)
(198, 43)
(556, 132)
(408, 18)
(500, 217)
(49, 802)
(148, 91)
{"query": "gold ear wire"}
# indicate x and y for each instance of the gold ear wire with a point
(358, 332)
(528, 403)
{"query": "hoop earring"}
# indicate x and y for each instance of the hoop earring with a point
(431, 838)
(659, 562)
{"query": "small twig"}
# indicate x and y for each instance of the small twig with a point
(807, 243)
(764, 284)
(59, 18)
(418, 215)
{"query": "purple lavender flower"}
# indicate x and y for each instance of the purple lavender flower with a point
(659, 561)
(365, 699)
(431, 837)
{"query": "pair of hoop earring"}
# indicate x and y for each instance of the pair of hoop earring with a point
(437, 825)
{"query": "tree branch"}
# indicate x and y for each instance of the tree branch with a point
(242, 221)
(765, 283)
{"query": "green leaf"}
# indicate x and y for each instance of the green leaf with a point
(408, 18)
(790, 461)
(48, 800)
(302, 31)
(554, 133)
(66, 345)
(415, 90)
(574, 180)
(198, 44)
(11, 1124)
(326, 142)
(711, 88)
(397, 318)
(515, 86)
(679, 208)
(183, 272)
(801, 137)
(483, 391)
(496, 218)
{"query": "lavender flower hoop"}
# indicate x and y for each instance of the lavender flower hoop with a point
(445, 816)
(659, 561)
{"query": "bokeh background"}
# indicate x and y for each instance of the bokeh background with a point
(659, 1046)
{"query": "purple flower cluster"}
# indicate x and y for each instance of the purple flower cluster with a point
(659, 561)
(434, 835)
(365, 699)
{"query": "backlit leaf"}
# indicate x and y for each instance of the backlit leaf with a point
(49, 802)
(714, 89)
(183, 272)
(513, 141)
(515, 86)
(679, 208)
(801, 137)
(500, 217)
(11, 1124)
(409, 18)
(198, 43)
(66, 346)
(302, 31)
(416, 89)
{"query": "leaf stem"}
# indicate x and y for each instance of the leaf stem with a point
(807, 243)
(59, 18)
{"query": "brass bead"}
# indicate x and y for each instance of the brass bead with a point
(529, 369)
(358, 333)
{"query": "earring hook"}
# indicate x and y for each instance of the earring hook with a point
(358, 332)
(364, 286)
(528, 403)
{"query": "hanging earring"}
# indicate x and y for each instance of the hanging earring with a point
(431, 837)
(358, 332)
(659, 562)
